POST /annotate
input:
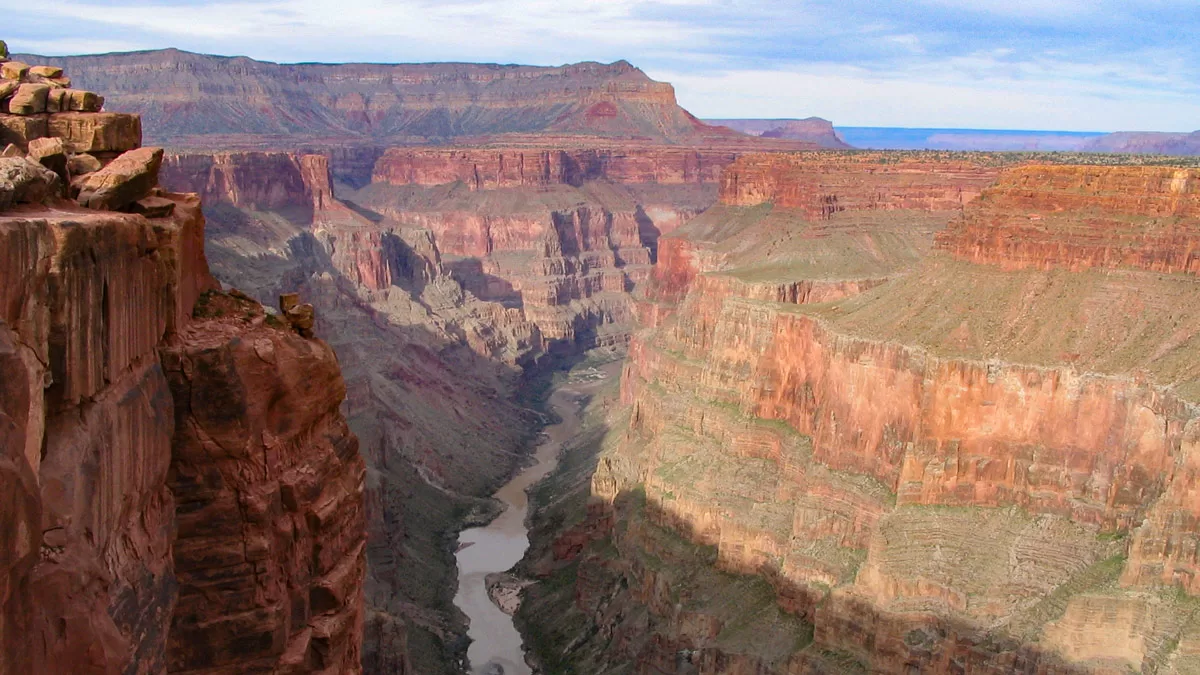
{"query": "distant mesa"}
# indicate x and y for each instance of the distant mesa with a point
(1147, 142)
(200, 100)
(811, 129)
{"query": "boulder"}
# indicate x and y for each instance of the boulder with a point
(83, 163)
(7, 88)
(288, 301)
(97, 132)
(52, 154)
(13, 70)
(29, 99)
(46, 71)
(19, 129)
(84, 101)
(303, 318)
(127, 179)
(23, 181)
(58, 100)
(153, 207)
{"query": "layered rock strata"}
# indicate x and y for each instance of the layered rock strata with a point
(183, 494)
(379, 101)
(965, 466)
(482, 169)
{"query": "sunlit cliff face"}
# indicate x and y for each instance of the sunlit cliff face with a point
(973, 458)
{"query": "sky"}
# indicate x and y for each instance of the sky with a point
(1074, 65)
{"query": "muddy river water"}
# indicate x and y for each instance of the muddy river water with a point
(495, 642)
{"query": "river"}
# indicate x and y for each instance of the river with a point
(501, 544)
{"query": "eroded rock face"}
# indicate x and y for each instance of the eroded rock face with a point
(90, 583)
(919, 492)
(141, 441)
(490, 169)
(1079, 217)
(869, 181)
(24, 181)
(269, 487)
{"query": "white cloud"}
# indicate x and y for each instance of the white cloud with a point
(855, 97)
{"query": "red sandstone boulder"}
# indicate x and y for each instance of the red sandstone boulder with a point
(29, 99)
(57, 100)
(153, 207)
(303, 318)
(13, 70)
(19, 130)
(96, 132)
(83, 101)
(7, 87)
(82, 163)
(23, 181)
(52, 154)
(46, 71)
(127, 179)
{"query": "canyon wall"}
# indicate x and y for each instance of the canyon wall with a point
(975, 460)
(498, 168)
(1062, 216)
(187, 98)
(859, 182)
(183, 493)
(557, 237)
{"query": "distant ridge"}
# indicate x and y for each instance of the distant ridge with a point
(1148, 142)
(183, 95)
(811, 129)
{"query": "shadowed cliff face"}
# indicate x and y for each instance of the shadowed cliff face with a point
(121, 518)
(931, 464)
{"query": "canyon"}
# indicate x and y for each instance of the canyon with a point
(877, 411)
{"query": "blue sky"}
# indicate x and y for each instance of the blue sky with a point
(1083, 65)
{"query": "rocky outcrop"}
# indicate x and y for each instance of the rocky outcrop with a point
(1079, 217)
(182, 492)
(824, 186)
(954, 467)
(268, 484)
(89, 577)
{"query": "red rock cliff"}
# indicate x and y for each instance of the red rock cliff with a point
(822, 185)
(1080, 217)
(489, 169)
(961, 468)
(181, 492)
